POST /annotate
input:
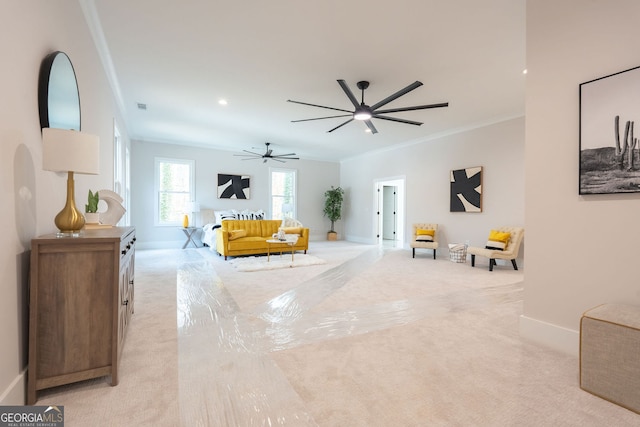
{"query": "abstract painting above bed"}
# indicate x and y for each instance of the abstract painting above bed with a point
(233, 186)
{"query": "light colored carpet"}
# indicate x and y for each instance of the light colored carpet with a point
(371, 338)
(259, 263)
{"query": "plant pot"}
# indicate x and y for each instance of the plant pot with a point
(92, 218)
(332, 235)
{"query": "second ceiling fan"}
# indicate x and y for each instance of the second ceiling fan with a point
(268, 154)
(365, 113)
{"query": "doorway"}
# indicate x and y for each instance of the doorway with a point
(389, 196)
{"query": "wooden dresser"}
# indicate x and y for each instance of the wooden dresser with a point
(81, 302)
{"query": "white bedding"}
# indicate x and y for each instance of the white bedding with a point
(209, 234)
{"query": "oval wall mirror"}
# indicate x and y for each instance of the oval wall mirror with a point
(58, 97)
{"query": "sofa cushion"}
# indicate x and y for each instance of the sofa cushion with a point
(248, 243)
(236, 234)
(423, 235)
(498, 240)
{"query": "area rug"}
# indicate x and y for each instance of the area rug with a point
(259, 263)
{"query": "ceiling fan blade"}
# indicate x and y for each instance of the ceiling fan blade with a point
(319, 106)
(393, 119)
(284, 155)
(370, 125)
(278, 160)
(398, 94)
(251, 152)
(286, 158)
(350, 95)
(321, 118)
(416, 107)
(339, 126)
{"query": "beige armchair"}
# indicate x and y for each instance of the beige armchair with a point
(510, 252)
(422, 244)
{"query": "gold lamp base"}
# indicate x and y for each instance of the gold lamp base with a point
(70, 220)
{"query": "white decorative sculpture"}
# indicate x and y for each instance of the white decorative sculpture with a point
(114, 211)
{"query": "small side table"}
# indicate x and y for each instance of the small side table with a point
(190, 232)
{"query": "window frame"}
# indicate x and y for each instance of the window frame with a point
(191, 193)
(294, 195)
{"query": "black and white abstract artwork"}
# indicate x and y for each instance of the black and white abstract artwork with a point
(466, 190)
(609, 149)
(233, 186)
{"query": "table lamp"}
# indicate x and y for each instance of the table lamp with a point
(72, 152)
(194, 208)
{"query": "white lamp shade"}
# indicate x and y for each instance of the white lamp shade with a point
(70, 151)
(194, 207)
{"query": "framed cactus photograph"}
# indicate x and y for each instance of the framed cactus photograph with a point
(609, 150)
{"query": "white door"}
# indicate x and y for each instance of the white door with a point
(389, 220)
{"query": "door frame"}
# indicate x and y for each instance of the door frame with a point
(378, 184)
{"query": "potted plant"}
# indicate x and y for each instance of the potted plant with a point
(333, 208)
(91, 214)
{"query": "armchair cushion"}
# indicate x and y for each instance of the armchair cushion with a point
(498, 240)
(423, 235)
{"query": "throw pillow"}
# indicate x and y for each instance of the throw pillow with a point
(423, 235)
(292, 230)
(498, 240)
(236, 234)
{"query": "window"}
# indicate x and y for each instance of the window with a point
(174, 189)
(283, 193)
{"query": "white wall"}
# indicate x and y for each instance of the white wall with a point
(32, 197)
(499, 149)
(314, 178)
(581, 250)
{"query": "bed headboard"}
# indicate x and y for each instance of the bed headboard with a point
(207, 216)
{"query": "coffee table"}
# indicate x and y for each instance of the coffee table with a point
(291, 241)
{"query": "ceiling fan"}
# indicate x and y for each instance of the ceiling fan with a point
(268, 154)
(365, 112)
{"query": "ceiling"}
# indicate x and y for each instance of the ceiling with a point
(181, 58)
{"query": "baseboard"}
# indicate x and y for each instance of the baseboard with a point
(549, 335)
(363, 240)
(15, 394)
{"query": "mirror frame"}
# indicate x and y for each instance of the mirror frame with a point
(51, 81)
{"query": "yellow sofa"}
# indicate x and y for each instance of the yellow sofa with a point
(249, 237)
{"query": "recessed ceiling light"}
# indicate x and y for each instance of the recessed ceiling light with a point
(222, 102)
(524, 71)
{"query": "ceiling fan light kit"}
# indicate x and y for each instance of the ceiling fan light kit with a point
(365, 113)
(268, 154)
